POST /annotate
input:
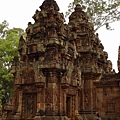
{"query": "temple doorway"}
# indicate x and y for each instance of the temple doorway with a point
(68, 106)
(29, 105)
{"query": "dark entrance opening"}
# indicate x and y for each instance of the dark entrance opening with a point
(68, 106)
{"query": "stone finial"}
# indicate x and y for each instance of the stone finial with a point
(79, 14)
(14, 65)
(48, 5)
(29, 23)
(21, 41)
(78, 8)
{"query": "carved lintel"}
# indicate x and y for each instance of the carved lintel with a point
(40, 85)
(64, 85)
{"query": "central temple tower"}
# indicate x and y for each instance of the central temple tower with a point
(47, 76)
(60, 68)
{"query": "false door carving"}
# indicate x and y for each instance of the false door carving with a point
(29, 105)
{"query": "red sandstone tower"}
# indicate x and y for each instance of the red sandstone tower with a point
(47, 79)
(62, 71)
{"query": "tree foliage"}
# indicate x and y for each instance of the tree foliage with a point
(9, 39)
(100, 12)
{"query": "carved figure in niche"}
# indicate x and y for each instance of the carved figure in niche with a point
(41, 59)
(45, 7)
(43, 30)
(76, 77)
(78, 29)
(40, 47)
(52, 7)
(34, 48)
(52, 17)
(41, 77)
(51, 54)
(41, 14)
(78, 41)
(52, 33)
(31, 76)
(48, 98)
(65, 78)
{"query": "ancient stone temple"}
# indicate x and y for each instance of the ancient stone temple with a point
(62, 72)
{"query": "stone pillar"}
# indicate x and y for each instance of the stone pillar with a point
(73, 107)
(76, 101)
(40, 101)
(20, 102)
(19, 108)
(51, 94)
(64, 102)
(88, 93)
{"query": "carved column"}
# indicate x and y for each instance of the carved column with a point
(41, 101)
(88, 96)
(51, 94)
(76, 101)
(64, 102)
(20, 102)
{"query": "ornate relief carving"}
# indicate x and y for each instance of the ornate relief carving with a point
(29, 105)
(87, 94)
(48, 98)
(28, 76)
(52, 59)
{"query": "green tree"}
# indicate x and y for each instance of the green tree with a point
(100, 12)
(9, 39)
